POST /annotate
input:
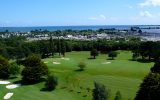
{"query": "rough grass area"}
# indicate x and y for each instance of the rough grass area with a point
(121, 74)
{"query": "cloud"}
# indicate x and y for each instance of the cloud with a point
(92, 18)
(145, 17)
(146, 14)
(100, 17)
(150, 3)
(103, 17)
(129, 6)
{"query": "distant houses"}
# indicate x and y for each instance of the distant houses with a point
(84, 35)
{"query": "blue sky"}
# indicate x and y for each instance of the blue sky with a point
(78, 12)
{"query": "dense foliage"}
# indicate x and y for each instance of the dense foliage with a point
(150, 88)
(51, 83)
(94, 53)
(14, 69)
(4, 68)
(112, 54)
(100, 92)
(34, 69)
(17, 47)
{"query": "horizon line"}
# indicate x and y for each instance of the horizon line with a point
(84, 25)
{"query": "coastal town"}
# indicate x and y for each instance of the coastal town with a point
(87, 35)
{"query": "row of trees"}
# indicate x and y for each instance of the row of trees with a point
(18, 47)
(147, 51)
(111, 54)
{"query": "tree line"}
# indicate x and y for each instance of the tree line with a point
(17, 47)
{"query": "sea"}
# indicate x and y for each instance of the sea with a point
(92, 27)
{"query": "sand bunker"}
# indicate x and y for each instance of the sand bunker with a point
(8, 96)
(4, 82)
(65, 58)
(106, 62)
(45, 62)
(57, 63)
(13, 86)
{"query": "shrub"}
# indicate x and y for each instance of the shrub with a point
(14, 68)
(82, 65)
(100, 92)
(118, 96)
(51, 83)
(156, 68)
(4, 68)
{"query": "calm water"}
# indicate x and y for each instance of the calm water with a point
(54, 28)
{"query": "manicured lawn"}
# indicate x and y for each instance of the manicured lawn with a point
(121, 74)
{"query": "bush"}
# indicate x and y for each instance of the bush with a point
(51, 83)
(118, 96)
(100, 92)
(34, 69)
(14, 68)
(82, 65)
(156, 68)
(4, 68)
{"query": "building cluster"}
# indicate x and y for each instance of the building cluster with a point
(114, 34)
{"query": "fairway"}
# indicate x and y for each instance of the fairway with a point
(120, 74)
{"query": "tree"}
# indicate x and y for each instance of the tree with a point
(63, 47)
(34, 69)
(150, 88)
(4, 68)
(112, 54)
(94, 53)
(118, 96)
(100, 92)
(51, 83)
(146, 49)
(14, 68)
(156, 51)
(51, 46)
(135, 56)
(4, 52)
(82, 65)
(156, 68)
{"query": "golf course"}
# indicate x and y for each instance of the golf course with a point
(121, 74)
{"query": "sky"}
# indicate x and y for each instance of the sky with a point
(78, 12)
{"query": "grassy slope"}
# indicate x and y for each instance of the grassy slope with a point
(122, 74)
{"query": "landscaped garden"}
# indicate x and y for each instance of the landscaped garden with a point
(121, 74)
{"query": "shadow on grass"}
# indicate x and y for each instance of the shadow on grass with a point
(63, 87)
(110, 59)
(84, 96)
(46, 90)
(28, 83)
(79, 70)
(91, 58)
(141, 60)
(13, 77)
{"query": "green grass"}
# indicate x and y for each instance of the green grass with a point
(121, 75)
